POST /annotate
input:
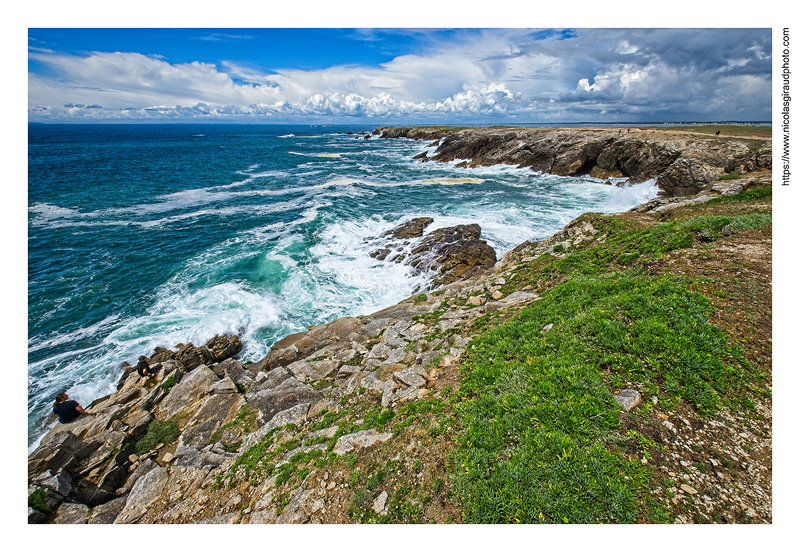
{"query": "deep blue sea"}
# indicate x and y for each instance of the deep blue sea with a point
(153, 235)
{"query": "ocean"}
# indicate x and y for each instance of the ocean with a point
(153, 235)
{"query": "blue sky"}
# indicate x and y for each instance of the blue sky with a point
(398, 75)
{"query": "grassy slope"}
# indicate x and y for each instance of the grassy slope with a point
(541, 439)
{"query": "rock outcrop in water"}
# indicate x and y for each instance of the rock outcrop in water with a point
(453, 253)
(683, 164)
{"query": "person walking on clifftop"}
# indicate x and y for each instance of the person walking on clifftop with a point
(67, 410)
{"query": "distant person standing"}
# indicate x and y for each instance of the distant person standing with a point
(67, 410)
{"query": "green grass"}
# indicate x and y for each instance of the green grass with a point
(537, 444)
(730, 130)
(38, 499)
(245, 418)
(168, 384)
(626, 245)
(158, 432)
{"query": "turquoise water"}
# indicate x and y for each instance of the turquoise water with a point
(153, 235)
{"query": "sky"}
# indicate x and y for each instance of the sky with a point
(396, 75)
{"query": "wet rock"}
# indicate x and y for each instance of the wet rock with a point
(411, 229)
(224, 346)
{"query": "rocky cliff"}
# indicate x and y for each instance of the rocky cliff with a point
(682, 163)
(353, 420)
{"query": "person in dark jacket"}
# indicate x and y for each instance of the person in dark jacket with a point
(143, 368)
(67, 410)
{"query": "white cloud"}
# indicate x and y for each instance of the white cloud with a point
(488, 74)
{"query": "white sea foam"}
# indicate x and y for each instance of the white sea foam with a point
(329, 155)
(99, 328)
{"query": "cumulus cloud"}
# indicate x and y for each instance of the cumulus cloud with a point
(603, 74)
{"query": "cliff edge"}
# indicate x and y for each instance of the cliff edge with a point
(617, 372)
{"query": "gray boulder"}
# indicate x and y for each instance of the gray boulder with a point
(193, 386)
(144, 493)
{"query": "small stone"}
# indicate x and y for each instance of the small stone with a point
(380, 503)
(497, 295)
(548, 327)
(133, 458)
(688, 489)
(628, 399)
(168, 457)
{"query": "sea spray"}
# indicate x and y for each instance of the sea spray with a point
(144, 237)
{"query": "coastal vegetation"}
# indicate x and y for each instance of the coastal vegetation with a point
(540, 440)
(618, 371)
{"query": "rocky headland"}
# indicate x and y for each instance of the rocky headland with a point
(683, 163)
(362, 419)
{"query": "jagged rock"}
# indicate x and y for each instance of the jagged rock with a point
(293, 513)
(295, 346)
(317, 370)
(59, 483)
(146, 490)
(69, 513)
(225, 386)
(108, 512)
(224, 346)
(628, 399)
(452, 251)
(191, 357)
(61, 450)
(682, 164)
(233, 369)
(49, 499)
(411, 229)
(361, 439)
(287, 394)
(412, 377)
(216, 411)
(35, 516)
(188, 391)
(296, 414)
(139, 470)
(388, 392)
(192, 457)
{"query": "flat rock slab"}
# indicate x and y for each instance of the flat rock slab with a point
(216, 411)
(108, 512)
(146, 490)
(71, 514)
(189, 390)
(361, 439)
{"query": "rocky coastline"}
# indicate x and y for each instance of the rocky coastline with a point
(292, 437)
(683, 164)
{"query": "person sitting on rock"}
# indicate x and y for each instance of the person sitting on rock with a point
(143, 368)
(68, 411)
